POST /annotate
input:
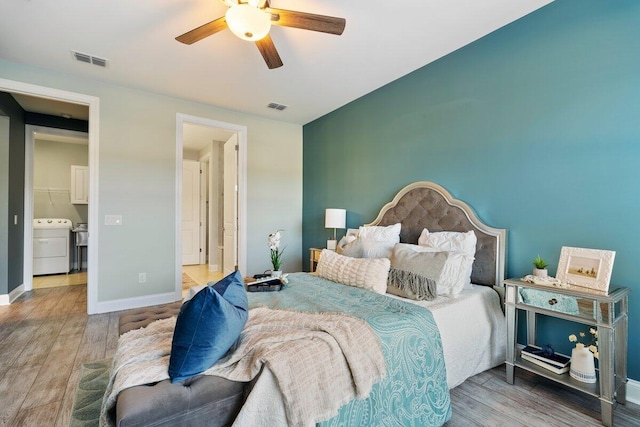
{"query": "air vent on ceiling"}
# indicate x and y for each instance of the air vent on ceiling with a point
(89, 59)
(276, 106)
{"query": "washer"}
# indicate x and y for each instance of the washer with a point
(51, 246)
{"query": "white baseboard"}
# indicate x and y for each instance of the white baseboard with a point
(633, 391)
(213, 267)
(125, 304)
(6, 299)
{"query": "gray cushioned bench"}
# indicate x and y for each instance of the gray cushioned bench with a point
(200, 401)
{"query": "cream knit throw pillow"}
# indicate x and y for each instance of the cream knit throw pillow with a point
(367, 273)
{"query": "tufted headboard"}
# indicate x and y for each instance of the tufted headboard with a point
(427, 205)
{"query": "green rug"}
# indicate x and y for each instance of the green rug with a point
(94, 377)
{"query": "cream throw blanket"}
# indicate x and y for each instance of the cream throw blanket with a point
(320, 360)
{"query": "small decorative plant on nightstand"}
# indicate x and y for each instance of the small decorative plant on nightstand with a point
(275, 252)
(540, 267)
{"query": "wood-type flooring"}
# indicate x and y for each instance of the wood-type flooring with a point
(46, 335)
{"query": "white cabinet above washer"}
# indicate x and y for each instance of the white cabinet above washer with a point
(79, 185)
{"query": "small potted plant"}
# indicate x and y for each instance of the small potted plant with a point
(540, 267)
(275, 252)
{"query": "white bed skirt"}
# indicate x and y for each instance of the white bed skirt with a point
(472, 329)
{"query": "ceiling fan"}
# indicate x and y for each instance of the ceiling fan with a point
(251, 20)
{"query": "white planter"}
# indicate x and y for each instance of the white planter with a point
(583, 367)
(276, 273)
(540, 272)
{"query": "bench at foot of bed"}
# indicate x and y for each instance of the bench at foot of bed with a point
(203, 400)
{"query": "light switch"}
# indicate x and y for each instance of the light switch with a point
(113, 220)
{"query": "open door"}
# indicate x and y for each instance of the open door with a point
(230, 206)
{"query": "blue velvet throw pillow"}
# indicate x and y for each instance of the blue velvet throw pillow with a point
(207, 326)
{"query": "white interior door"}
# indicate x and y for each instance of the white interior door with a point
(190, 212)
(230, 207)
(204, 211)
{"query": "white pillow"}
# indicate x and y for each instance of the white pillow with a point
(454, 272)
(377, 241)
(366, 273)
(344, 242)
(452, 241)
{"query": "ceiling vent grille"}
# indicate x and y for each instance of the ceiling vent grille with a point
(89, 59)
(276, 106)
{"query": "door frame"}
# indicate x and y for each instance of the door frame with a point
(93, 102)
(241, 131)
(229, 193)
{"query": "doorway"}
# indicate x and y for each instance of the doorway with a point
(93, 103)
(60, 205)
(200, 143)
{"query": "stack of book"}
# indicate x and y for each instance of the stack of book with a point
(557, 363)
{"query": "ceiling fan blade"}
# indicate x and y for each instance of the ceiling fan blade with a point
(307, 21)
(197, 34)
(269, 52)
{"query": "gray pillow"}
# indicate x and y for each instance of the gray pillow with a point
(407, 284)
(353, 249)
(415, 274)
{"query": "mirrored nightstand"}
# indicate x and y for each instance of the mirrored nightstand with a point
(607, 313)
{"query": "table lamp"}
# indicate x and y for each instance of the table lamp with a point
(334, 218)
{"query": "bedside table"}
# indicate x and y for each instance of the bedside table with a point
(314, 256)
(607, 313)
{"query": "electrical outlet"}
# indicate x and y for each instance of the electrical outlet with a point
(142, 277)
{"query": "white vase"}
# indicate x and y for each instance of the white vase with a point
(583, 366)
(276, 273)
(540, 272)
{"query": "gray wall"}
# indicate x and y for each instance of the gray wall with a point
(52, 162)
(11, 196)
(137, 158)
(5, 123)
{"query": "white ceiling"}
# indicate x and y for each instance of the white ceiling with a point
(382, 41)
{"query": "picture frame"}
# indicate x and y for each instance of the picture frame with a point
(588, 268)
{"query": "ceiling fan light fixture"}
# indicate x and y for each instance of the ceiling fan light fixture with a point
(248, 22)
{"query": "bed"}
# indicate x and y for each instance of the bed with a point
(428, 205)
(464, 345)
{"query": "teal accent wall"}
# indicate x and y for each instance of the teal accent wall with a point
(537, 126)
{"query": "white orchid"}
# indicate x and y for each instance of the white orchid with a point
(274, 240)
(274, 247)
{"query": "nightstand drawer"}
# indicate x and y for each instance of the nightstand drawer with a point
(550, 300)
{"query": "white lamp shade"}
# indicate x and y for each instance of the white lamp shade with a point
(335, 218)
(248, 22)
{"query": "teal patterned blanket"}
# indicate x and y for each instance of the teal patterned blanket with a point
(414, 392)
